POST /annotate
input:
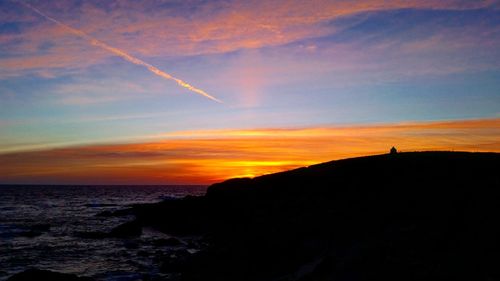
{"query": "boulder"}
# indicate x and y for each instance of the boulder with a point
(42, 227)
(170, 242)
(117, 213)
(128, 229)
(30, 233)
(35, 230)
(92, 234)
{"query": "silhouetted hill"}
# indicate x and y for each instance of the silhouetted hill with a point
(408, 216)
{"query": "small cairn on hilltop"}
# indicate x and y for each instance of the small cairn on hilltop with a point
(393, 150)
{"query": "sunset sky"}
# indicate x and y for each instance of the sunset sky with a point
(94, 92)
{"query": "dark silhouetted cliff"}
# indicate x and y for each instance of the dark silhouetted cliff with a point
(405, 216)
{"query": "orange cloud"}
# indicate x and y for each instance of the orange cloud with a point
(213, 155)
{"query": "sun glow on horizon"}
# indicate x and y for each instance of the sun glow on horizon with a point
(83, 95)
(211, 156)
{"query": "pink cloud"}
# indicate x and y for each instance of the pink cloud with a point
(213, 27)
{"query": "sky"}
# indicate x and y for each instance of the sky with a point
(195, 92)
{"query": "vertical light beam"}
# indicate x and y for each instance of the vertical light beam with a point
(122, 54)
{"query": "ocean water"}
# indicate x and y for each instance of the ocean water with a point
(59, 213)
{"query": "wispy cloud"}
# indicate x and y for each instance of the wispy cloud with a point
(173, 30)
(88, 92)
(94, 41)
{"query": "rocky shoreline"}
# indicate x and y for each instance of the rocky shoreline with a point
(408, 216)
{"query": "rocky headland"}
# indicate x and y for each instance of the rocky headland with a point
(404, 216)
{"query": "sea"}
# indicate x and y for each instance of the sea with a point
(39, 228)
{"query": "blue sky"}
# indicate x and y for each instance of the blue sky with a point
(278, 64)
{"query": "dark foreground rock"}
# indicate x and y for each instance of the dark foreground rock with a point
(117, 213)
(176, 262)
(129, 229)
(92, 234)
(38, 275)
(406, 216)
(35, 230)
(169, 242)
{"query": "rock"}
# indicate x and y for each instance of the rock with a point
(172, 265)
(177, 261)
(92, 235)
(42, 227)
(35, 230)
(167, 242)
(99, 205)
(414, 216)
(30, 233)
(104, 214)
(128, 229)
(117, 213)
(34, 274)
(143, 253)
(131, 244)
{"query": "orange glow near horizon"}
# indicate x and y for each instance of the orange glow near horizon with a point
(203, 157)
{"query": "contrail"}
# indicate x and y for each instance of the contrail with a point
(122, 54)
